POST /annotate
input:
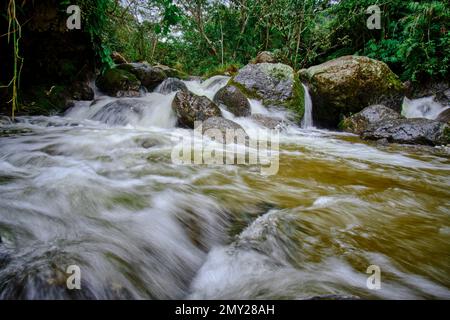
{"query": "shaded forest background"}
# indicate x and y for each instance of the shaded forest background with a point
(208, 37)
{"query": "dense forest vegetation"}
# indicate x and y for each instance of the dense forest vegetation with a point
(205, 37)
(201, 36)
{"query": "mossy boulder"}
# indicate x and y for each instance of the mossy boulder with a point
(119, 83)
(348, 84)
(171, 72)
(150, 77)
(359, 122)
(273, 84)
(235, 101)
(190, 108)
(409, 131)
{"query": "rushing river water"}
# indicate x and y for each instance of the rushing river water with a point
(98, 189)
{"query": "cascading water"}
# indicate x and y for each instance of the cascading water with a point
(97, 189)
(422, 108)
(307, 121)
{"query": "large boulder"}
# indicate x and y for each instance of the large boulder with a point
(269, 122)
(409, 131)
(190, 108)
(149, 76)
(273, 83)
(235, 101)
(349, 84)
(119, 83)
(171, 85)
(217, 128)
(359, 122)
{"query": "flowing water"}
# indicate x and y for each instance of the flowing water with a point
(97, 188)
(307, 122)
(425, 107)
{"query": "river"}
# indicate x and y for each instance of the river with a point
(97, 189)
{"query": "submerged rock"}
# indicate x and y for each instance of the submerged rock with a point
(272, 83)
(120, 112)
(359, 122)
(149, 76)
(235, 101)
(190, 108)
(119, 83)
(349, 84)
(170, 85)
(221, 126)
(273, 123)
(5, 120)
(409, 131)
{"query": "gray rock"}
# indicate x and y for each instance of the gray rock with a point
(359, 122)
(409, 131)
(149, 76)
(273, 83)
(235, 101)
(170, 85)
(190, 108)
(222, 125)
(119, 83)
(269, 122)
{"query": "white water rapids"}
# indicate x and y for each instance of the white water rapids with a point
(97, 188)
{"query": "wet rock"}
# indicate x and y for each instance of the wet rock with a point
(269, 122)
(120, 112)
(235, 101)
(170, 85)
(444, 116)
(265, 57)
(119, 83)
(222, 126)
(359, 122)
(409, 131)
(150, 77)
(190, 108)
(349, 84)
(118, 58)
(272, 83)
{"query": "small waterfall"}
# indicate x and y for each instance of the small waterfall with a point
(422, 108)
(307, 121)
